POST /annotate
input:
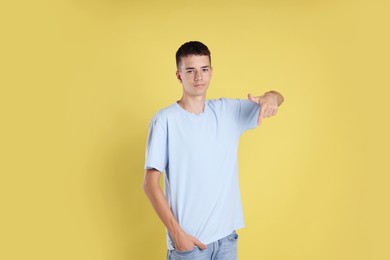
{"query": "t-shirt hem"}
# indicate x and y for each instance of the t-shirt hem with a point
(151, 166)
(216, 238)
(170, 245)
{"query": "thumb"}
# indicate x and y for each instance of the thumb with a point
(199, 244)
(252, 98)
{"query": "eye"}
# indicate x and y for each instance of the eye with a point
(190, 71)
(205, 69)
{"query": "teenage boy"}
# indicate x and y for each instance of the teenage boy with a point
(194, 142)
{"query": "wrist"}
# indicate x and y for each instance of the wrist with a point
(175, 231)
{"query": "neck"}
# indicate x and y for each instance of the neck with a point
(194, 105)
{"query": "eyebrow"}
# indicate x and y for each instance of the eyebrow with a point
(192, 68)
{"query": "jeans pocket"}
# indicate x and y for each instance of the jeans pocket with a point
(185, 252)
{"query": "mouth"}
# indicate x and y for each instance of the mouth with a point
(199, 85)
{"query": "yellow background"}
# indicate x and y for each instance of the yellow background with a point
(80, 81)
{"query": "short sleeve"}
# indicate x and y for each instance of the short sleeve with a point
(156, 155)
(247, 115)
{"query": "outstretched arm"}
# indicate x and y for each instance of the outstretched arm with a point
(269, 103)
(182, 240)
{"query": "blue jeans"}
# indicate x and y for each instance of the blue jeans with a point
(223, 249)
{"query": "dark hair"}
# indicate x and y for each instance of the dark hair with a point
(192, 48)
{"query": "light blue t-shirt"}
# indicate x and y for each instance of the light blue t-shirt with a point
(198, 154)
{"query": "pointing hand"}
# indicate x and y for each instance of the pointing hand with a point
(268, 105)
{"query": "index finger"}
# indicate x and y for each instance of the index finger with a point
(261, 115)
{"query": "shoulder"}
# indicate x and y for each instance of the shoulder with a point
(219, 101)
(162, 116)
(225, 102)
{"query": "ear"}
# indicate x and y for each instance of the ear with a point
(178, 76)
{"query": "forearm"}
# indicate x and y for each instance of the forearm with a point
(182, 240)
(161, 206)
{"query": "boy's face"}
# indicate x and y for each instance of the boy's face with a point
(195, 74)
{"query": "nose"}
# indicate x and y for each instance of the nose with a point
(198, 76)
